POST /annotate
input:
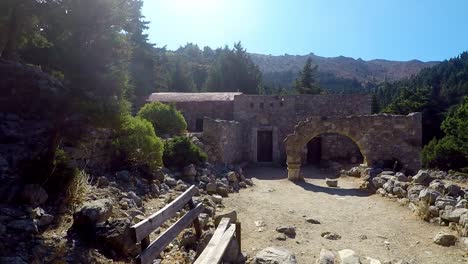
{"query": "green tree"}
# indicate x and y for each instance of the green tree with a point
(306, 83)
(451, 151)
(166, 119)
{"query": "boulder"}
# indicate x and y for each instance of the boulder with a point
(45, 220)
(249, 182)
(290, 231)
(388, 186)
(171, 182)
(217, 199)
(421, 176)
(354, 172)
(211, 188)
(437, 185)
(441, 202)
(453, 215)
(326, 257)
(429, 196)
(400, 192)
(273, 255)
(232, 176)
(102, 182)
(93, 212)
(331, 182)
(401, 177)
(378, 182)
(348, 256)
(34, 195)
(445, 239)
(452, 189)
(116, 235)
(222, 191)
(190, 171)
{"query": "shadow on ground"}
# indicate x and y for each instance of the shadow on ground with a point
(310, 173)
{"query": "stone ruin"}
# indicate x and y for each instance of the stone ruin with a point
(298, 129)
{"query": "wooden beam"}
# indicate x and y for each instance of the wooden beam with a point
(196, 222)
(217, 235)
(215, 255)
(147, 226)
(165, 238)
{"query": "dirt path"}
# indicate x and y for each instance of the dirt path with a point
(392, 231)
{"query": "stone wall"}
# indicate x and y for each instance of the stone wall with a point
(198, 110)
(280, 114)
(222, 140)
(379, 137)
(338, 147)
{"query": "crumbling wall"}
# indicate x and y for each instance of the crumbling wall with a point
(222, 140)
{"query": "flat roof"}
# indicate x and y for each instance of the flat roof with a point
(191, 97)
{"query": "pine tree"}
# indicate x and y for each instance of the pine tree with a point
(307, 83)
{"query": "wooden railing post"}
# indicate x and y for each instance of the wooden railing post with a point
(196, 222)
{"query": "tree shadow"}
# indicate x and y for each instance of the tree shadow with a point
(333, 191)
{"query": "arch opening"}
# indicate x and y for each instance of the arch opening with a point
(328, 148)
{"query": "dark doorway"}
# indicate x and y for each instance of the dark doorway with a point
(264, 146)
(314, 151)
(199, 125)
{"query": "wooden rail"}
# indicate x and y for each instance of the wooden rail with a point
(214, 251)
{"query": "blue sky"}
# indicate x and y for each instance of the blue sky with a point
(368, 29)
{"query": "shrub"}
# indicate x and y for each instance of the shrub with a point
(180, 152)
(166, 119)
(137, 142)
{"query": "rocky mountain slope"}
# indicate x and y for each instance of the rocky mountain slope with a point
(342, 67)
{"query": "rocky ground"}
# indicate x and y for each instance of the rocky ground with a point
(348, 221)
(97, 230)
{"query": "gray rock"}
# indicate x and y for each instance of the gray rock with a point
(131, 195)
(413, 192)
(330, 236)
(331, 182)
(452, 189)
(312, 221)
(34, 195)
(378, 182)
(348, 256)
(281, 237)
(290, 231)
(453, 215)
(123, 176)
(205, 179)
(420, 176)
(222, 191)
(24, 225)
(217, 199)
(36, 213)
(154, 189)
(45, 220)
(93, 212)
(211, 188)
(116, 235)
(388, 186)
(437, 185)
(171, 182)
(429, 196)
(445, 239)
(273, 255)
(249, 182)
(190, 171)
(401, 177)
(441, 202)
(326, 257)
(231, 176)
(463, 203)
(400, 192)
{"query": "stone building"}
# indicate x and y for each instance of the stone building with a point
(239, 127)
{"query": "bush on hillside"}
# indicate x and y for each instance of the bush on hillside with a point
(137, 143)
(451, 151)
(180, 152)
(166, 119)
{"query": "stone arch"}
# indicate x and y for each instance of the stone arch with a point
(377, 137)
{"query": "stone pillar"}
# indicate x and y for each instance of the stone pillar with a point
(294, 172)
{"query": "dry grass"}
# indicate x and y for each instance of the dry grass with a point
(78, 189)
